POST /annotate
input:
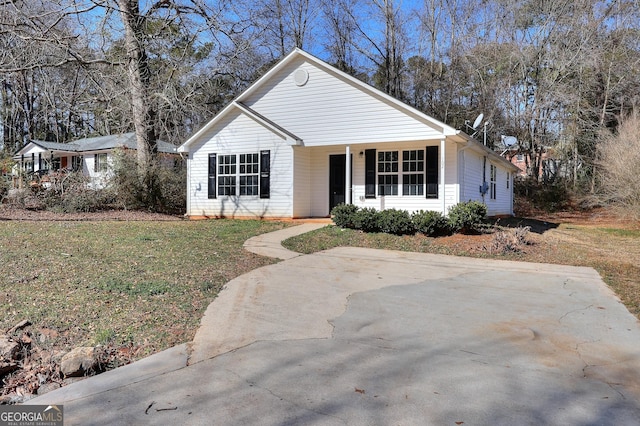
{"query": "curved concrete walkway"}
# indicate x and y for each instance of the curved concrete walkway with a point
(361, 336)
(270, 244)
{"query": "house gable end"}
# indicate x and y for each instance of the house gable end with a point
(327, 105)
(324, 106)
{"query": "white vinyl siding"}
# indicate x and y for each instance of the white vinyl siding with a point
(238, 135)
(471, 169)
(302, 182)
(328, 110)
(471, 164)
(502, 204)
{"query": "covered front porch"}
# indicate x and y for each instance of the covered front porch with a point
(40, 167)
(412, 175)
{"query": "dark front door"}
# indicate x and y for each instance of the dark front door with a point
(337, 179)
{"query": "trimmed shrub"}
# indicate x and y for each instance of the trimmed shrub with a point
(467, 217)
(430, 223)
(366, 219)
(394, 221)
(343, 215)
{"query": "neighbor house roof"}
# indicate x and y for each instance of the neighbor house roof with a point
(100, 143)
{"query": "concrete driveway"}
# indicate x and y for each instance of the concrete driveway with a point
(365, 337)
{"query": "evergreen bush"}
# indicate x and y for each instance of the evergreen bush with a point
(430, 223)
(366, 219)
(343, 215)
(467, 217)
(393, 221)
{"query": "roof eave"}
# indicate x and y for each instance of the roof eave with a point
(471, 142)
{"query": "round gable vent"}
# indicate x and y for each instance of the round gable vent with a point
(301, 77)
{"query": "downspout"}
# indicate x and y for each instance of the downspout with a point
(347, 180)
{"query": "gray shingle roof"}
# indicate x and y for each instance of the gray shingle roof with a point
(125, 140)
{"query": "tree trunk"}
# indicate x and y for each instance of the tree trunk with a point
(138, 74)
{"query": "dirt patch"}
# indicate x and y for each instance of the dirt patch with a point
(464, 243)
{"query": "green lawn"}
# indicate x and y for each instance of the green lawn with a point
(144, 284)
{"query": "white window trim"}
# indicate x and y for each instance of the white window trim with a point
(401, 174)
(237, 175)
(493, 187)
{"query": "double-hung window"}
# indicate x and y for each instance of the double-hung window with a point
(492, 181)
(413, 172)
(388, 173)
(419, 173)
(100, 162)
(249, 168)
(239, 174)
(226, 175)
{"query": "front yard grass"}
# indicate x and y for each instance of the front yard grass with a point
(142, 284)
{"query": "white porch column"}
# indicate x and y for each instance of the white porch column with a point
(347, 180)
(443, 158)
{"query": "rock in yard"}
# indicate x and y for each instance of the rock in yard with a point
(79, 362)
(8, 348)
(48, 387)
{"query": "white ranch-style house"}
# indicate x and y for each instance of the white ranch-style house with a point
(307, 136)
(93, 156)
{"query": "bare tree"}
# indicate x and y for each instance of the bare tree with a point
(619, 160)
(284, 24)
(139, 75)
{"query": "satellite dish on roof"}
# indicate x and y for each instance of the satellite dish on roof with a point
(509, 140)
(478, 121)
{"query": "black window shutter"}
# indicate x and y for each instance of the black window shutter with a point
(212, 176)
(370, 173)
(95, 163)
(265, 173)
(431, 171)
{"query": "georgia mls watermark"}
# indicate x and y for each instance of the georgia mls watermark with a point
(31, 415)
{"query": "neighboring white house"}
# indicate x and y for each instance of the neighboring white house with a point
(280, 150)
(93, 156)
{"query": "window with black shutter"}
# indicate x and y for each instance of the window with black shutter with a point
(431, 172)
(265, 174)
(212, 176)
(370, 173)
